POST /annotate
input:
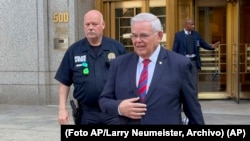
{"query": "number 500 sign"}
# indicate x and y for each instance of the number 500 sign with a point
(61, 17)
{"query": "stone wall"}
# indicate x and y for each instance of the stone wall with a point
(29, 55)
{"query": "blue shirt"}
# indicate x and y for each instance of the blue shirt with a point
(151, 66)
(88, 87)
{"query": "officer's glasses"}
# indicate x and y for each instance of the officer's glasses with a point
(85, 70)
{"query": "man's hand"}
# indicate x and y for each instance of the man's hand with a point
(63, 117)
(215, 44)
(132, 108)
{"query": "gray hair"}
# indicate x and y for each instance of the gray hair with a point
(148, 17)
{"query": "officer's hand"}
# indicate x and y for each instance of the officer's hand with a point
(63, 117)
(132, 108)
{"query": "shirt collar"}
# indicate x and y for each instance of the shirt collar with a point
(186, 32)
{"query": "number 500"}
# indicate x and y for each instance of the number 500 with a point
(61, 17)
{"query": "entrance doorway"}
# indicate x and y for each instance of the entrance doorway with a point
(226, 70)
(211, 24)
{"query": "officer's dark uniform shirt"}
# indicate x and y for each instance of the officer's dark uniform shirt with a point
(88, 86)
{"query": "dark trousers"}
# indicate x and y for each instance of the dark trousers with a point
(91, 115)
(195, 74)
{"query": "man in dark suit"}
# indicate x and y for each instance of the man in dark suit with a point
(188, 42)
(168, 81)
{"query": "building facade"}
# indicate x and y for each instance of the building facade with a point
(36, 33)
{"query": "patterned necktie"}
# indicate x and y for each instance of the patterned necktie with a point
(142, 86)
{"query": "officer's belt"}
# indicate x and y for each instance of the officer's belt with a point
(89, 107)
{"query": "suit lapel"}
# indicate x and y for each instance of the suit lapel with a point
(158, 72)
(132, 73)
(184, 41)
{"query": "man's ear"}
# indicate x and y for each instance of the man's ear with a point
(103, 25)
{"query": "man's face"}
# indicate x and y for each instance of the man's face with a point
(93, 26)
(190, 25)
(144, 40)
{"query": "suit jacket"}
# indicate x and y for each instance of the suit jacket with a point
(180, 45)
(169, 87)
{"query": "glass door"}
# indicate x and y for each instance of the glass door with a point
(124, 10)
(244, 49)
(211, 24)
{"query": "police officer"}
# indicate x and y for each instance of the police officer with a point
(86, 65)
